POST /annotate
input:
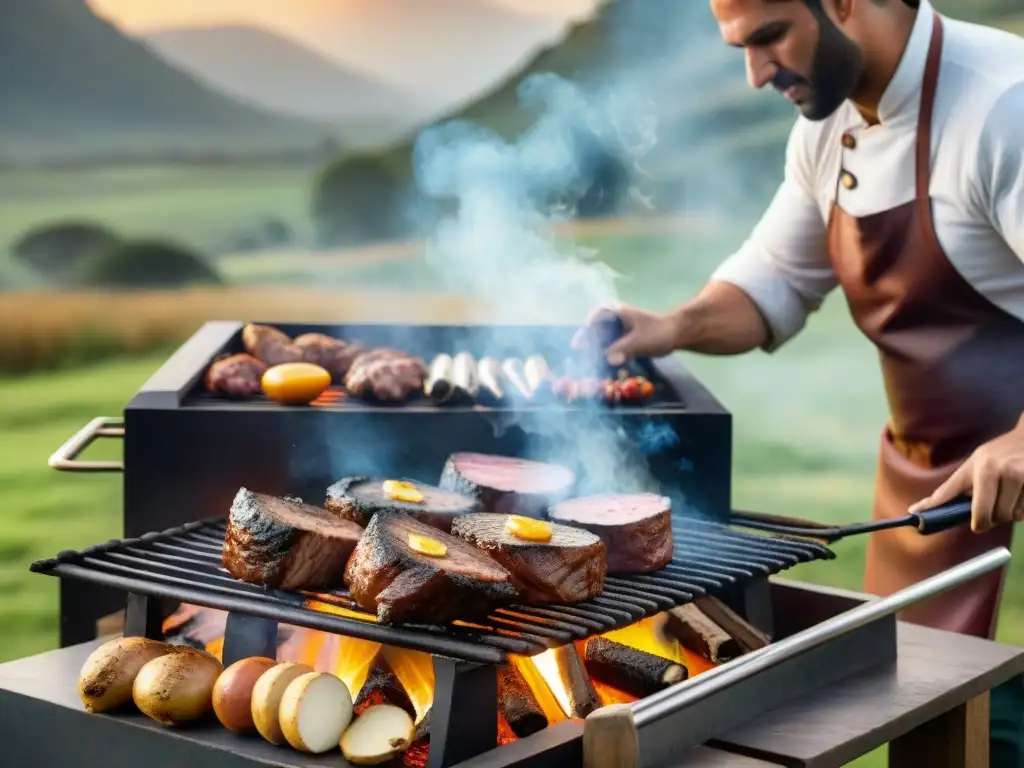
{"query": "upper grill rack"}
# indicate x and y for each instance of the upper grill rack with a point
(184, 564)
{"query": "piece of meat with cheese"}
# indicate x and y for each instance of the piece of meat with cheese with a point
(270, 345)
(386, 375)
(235, 376)
(333, 355)
(507, 485)
(635, 527)
(284, 543)
(551, 563)
(360, 498)
(406, 572)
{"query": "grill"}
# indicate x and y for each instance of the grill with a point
(187, 453)
(184, 564)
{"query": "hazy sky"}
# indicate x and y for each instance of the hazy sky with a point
(141, 15)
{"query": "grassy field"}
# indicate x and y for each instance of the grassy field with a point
(205, 207)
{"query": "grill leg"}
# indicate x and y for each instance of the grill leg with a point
(464, 715)
(143, 617)
(246, 636)
(756, 605)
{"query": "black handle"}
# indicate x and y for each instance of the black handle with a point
(942, 518)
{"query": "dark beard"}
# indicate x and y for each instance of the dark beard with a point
(835, 72)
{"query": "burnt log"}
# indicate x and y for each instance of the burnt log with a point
(631, 670)
(691, 626)
(748, 636)
(517, 703)
(574, 678)
(382, 686)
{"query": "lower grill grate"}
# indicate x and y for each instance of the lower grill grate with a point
(184, 564)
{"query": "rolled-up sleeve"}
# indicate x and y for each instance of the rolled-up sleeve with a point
(783, 266)
(999, 181)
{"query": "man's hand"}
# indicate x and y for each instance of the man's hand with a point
(994, 478)
(646, 334)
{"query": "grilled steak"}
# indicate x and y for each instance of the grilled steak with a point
(333, 355)
(507, 485)
(635, 527)
(568, 568)
(360, 498)
(270, 345)
(387, 576)
(386, 375)
(235, 376)
(284, 543)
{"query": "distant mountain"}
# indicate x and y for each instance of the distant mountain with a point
(274, 72)
(447, 51)
(71, 83)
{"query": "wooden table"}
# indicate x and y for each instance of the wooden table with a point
(931, 706)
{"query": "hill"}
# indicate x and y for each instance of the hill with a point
(269, 70)
(73, 84)
(719, 145)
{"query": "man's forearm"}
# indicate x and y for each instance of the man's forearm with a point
(721, 320)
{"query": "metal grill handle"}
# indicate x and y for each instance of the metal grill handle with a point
(65, 458)
(677, 697)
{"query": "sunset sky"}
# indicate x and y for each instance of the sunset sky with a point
(144, 15)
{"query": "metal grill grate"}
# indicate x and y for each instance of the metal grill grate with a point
(184, 564)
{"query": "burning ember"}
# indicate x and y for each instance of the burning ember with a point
(534, 692)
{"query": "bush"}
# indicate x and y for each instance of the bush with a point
(147, 264)
(57, 251)
(361, 198)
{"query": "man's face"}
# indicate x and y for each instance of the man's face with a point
(802, 53)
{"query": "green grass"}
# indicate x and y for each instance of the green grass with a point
(206, 207)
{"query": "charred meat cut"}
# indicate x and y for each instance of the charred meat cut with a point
(284, 543)
(333, 355)
(270, 345)
(635, 527)
(391, 575)
(507, 485)
(386, 375)
(568, 567)
(360, 498)
(235, 376)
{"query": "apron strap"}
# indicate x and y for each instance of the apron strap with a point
(924, 120)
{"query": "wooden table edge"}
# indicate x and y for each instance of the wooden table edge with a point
(864, 743)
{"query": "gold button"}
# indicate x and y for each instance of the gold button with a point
(848, 141)
(849, 180)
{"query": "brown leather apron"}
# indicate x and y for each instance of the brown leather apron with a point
(953, 366)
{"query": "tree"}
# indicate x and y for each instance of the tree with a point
(56, 251)
(147, 264)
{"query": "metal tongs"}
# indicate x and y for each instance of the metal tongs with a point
(941, 518)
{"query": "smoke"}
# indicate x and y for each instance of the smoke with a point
(499, 243)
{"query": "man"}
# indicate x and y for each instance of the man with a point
(904, 186)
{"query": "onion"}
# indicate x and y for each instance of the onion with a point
(266, 698)
(379, 734)
(177, 687)
(107, 676)
(315, 710)
(232, 693)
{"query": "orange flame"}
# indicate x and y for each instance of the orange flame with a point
(351, 660)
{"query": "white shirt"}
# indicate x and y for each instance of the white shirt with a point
(977, 178)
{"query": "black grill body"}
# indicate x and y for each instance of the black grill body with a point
(186, 454)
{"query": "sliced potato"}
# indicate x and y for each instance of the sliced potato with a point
(232, 693)
(108, 675)
(316, 708)
(379, 734)
(177, 688)
(266, 698)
